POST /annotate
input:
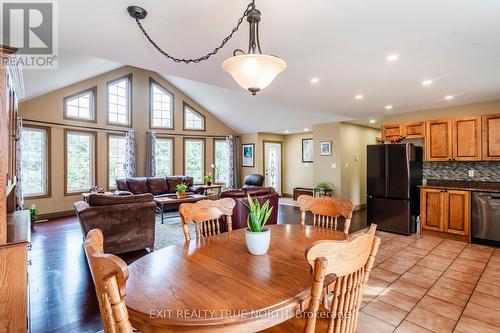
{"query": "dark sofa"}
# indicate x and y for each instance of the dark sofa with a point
(127, 222)
(240, 212)
(157, 186)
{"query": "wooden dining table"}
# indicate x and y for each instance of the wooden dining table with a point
(215, 285)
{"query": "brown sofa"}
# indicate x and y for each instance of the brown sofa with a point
(127, 222)
(240, 212)
(157, 186)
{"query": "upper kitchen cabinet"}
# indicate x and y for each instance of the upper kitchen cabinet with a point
(392, 131)
(491, 137)
(438, 140)
(414, 130)
(467, 139)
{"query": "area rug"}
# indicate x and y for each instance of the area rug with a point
(170, 232)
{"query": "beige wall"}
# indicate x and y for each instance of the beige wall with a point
(296, 173)
(449, 112)
(328, 168)
(49, 108)
(354, 140)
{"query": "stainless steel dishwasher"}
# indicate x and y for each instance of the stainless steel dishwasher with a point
(486, 218)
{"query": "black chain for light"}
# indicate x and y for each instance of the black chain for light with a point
(206, 56)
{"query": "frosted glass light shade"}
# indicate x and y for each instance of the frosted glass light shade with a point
(254, 71)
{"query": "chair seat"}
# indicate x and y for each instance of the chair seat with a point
(297, 324)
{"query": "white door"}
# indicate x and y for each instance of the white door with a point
(272, 165)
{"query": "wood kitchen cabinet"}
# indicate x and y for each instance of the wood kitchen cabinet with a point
(446, 211)
(438, 140)
(391, 131)
(467, 139)
(414, 130)
(491, 137)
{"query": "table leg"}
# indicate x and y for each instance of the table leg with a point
(161, 207)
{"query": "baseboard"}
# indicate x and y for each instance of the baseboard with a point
(56, 215)
(360, 206)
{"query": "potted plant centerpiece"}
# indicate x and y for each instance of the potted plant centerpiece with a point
(257, 235)
(33, 215)
(208, 178)
(181, 190)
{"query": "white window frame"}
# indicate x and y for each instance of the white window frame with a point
(128, 98)
(215, 171)
(186, 140)
(153, 84)
(172, 142)
(45, 172)
(112, 184)
(92, 92)
(93, 161)
(187, 107)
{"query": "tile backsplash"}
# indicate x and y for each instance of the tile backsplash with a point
(483, 171)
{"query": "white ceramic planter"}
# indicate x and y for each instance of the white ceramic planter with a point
(258, 242)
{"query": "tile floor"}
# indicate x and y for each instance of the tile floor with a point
(429, 284)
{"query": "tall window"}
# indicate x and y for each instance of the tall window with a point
(194, 159)
(80, 161)
(34, 157)
(221, 161)
(119, 93)
(116, 159)
(162, 106)
(193, 120)
(164, 152)
(81, 106)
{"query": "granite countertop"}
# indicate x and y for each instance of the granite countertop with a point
(463, 185)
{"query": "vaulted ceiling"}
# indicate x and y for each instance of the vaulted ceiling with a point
(345, 44)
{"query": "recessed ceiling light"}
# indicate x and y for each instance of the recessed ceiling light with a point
(373, 121)
(388, 107)
(306, 129)
(314, 80)
(426, 82)
(449, 97)
(392, 57)
(359, 96)
(287, 131)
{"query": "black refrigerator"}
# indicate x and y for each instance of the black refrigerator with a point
(394, 172)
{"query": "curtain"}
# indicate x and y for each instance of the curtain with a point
(19, 164)
(233, 144)
(130, 154)
(151, 154)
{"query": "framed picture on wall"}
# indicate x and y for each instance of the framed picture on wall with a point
(248, 155)
(307, 150)
(325, 148)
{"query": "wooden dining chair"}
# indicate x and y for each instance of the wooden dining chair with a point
(205, 214)
(351, 262)
(326, 211)
(110, 274)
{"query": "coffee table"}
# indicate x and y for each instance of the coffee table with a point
(171, 199)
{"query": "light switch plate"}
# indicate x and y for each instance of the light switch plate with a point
(471, 173)
(334, 165)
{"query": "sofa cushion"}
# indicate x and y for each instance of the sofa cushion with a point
(97, 199)
(138, 185)
(233, 194)
(121, 184)
(256, 191)
(157, 185)
(173, 182)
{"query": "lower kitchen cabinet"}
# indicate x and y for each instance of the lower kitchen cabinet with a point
(445, 211)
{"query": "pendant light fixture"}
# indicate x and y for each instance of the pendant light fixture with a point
(251, 70)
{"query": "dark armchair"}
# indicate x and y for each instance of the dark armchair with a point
(127, 222)
(253, 180)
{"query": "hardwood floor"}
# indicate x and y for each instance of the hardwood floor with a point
(62, 292)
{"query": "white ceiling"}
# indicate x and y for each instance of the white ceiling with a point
(343, 43)
(72, 68)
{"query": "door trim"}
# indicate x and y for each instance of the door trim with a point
(264, 159)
